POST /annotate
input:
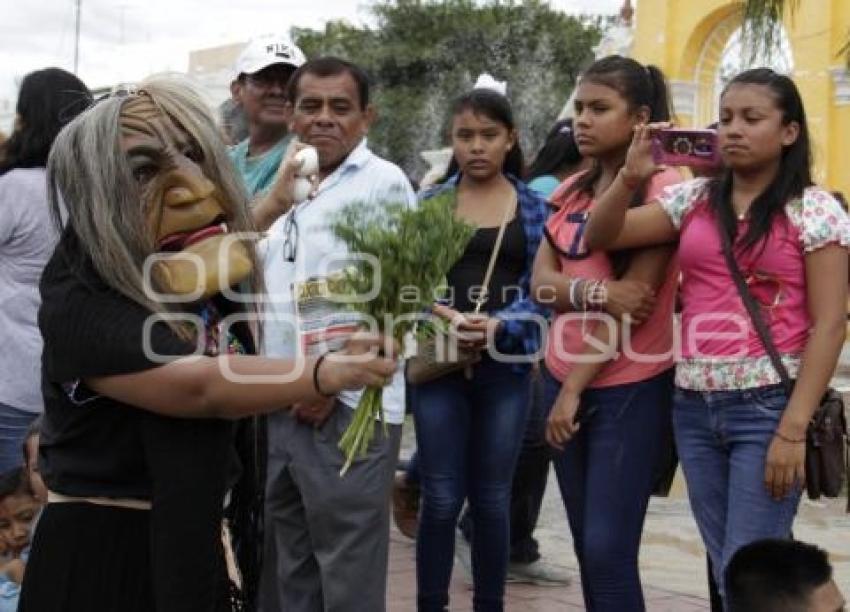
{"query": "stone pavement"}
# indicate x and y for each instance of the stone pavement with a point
(519, 597)
(672, 558)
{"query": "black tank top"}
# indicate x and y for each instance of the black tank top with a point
(466, 276)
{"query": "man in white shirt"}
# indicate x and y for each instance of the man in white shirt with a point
(327, 535)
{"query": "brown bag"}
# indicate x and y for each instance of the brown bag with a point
(435, 356)
(434, 359)
(827, 458)
(826, 448)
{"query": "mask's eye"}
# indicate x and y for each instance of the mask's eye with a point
(143, 173)
(195, 153)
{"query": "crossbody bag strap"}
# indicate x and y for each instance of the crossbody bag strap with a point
(752, 307)
(482, 298)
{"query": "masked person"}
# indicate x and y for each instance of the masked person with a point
(143, 371)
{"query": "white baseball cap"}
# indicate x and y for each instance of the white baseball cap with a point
(267, 50)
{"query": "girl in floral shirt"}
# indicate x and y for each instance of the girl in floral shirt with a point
(741, 438)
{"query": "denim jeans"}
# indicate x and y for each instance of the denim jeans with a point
(722, 438)
(529, 480)
(14, 424)
(606, 474)
(468, 434)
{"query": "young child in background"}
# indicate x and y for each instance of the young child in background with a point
(19, 508)
(33, 474)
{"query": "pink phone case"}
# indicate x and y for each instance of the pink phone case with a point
(683, 147)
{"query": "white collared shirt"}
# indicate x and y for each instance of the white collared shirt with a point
(362, 177)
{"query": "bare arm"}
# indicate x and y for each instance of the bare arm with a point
(612, 225)
(648, 266)
(827, 303)
(549, 286)
(632, 294)
(209, 387)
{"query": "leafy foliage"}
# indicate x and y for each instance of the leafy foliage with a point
(415, 247)
(762, 21)
(424, 53)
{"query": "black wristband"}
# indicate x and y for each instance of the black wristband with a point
(316, 376)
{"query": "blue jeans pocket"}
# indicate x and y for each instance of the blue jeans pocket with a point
(769, 401)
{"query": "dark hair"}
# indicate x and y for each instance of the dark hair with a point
(793, 175)
(775, 576)
(639, 86)
(496, 107)
(48, 99)
(33, 430)
(326, 67)
(14, 482)
(558, 153)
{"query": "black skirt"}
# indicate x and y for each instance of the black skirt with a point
(88, 557)
(97, 559)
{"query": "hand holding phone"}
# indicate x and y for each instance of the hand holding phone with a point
(685, 147)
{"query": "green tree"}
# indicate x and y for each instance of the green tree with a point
(422, 53)
(762, 20)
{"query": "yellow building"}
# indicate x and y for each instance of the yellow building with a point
(686, 38)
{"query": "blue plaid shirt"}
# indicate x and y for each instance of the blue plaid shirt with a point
(518, 335)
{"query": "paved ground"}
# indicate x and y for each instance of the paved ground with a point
(672, 558)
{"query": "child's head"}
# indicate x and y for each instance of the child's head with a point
(559, 152)
(781, 576)
(763, 124)
(18, 508)
(615, 94)
(484, 136)
(33, 474)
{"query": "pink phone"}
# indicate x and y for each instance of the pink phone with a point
(683, 147)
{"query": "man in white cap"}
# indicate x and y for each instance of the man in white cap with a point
(262, 73)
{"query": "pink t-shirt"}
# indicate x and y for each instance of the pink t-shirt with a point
(715, 322)
(648, 350)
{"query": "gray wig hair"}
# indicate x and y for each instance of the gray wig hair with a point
(89, 176)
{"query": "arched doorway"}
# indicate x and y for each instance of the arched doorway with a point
(723, 56)
(689, 41)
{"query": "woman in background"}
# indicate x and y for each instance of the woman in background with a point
(49, 99)
(557, 159)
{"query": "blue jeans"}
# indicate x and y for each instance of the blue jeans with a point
(606, 474)
(469, 434)
(14, 424)
(722, 438)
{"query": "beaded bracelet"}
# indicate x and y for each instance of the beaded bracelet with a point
(316, 375)
(595, 294)
(575, 293)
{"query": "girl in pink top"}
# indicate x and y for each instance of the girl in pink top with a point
(610, 407)
(741, 439)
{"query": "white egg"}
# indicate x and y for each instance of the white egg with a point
(301, 190)
(309, 159)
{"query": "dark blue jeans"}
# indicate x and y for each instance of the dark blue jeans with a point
(606, 474)
(469, 434)
(529, 481)
(14, 424)
(723, 437)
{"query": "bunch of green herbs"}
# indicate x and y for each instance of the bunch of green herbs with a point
(415, 247)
